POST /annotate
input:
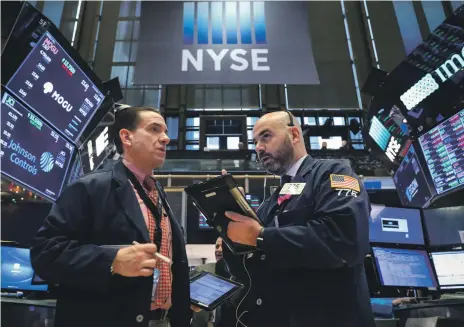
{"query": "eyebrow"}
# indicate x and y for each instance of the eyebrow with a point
(267, 130)
(155, 123)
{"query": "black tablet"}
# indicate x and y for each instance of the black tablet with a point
(215, 196)
(207, 290)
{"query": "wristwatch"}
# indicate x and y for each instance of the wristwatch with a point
(260, 240)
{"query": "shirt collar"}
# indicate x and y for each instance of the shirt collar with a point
(294, 168)
(140, 175)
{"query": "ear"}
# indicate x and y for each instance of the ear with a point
(125, 136)
(295, 135)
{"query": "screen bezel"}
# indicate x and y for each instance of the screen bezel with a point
(71, 160)
(379, 279)
(219, 300)
(445, 289)
(20, 246)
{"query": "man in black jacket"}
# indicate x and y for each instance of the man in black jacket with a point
(123, 205)
(309, 267)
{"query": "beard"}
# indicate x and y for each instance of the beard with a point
(279, 163)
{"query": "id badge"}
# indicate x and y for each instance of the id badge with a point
(156, 277)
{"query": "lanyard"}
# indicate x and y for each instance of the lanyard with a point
(156, 211)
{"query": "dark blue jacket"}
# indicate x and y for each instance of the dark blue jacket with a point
(310, 272)
(102, 209)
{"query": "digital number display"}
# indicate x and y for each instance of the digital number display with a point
(32, 153)
(52, 84)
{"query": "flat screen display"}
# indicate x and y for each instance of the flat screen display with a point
(404, 268)
(395, 225)
(75, 170)
(32, 153)
(209, 288)
(51, 83)
(450, 269)
(443, 148)
(445, 226)
(411, 183)
(17, 272)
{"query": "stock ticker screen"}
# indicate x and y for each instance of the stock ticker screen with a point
(32, 153)
(443, 148)
(395, 225)
(410, 181)
(51, 83)
(404, 268)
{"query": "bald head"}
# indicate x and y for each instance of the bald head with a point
(278, 144)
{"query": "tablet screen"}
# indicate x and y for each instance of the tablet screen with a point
(209, 288)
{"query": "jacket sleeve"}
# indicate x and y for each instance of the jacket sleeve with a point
(335, 229)
(61, 253)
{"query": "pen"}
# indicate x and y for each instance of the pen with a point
(158, 255)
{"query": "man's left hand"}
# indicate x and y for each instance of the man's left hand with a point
(242, 229)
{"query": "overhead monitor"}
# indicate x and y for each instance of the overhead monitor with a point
(395, 226)
(51, 83)
(17, 272)
(387, 134)
(404, 268)
(449, 267)
(443, 148)
(445, 226)
(411, 182)
(32, 153)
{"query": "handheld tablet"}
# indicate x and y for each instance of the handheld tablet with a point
(213, 198)
(208, 291)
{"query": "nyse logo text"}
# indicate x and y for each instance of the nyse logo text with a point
(237, 27)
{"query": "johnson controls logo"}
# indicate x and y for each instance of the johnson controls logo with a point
(429, 84)
(46, 162)
(48, 88)
(237, 25)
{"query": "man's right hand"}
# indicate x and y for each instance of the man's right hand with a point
(136, 260)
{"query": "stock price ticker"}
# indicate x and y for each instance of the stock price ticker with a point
(51, 83)
(443, 148)
(32, 153)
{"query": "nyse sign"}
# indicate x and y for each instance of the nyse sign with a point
(225, 42)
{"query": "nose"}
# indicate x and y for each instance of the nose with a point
(164, 139)
(259, 148)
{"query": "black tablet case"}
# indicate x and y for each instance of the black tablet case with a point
(213, 197)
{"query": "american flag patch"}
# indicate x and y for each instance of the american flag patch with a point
(344, 182)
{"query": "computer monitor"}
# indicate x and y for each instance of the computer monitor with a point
(395, 226)
(51, 83)
(411, 183)
(404, 268)
(445, 226)
(443, 148)
(17, 272)
(32, 153)
(96, 149)
(449, 267)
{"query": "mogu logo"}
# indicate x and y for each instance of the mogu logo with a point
(48, 88)
(232, 23)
